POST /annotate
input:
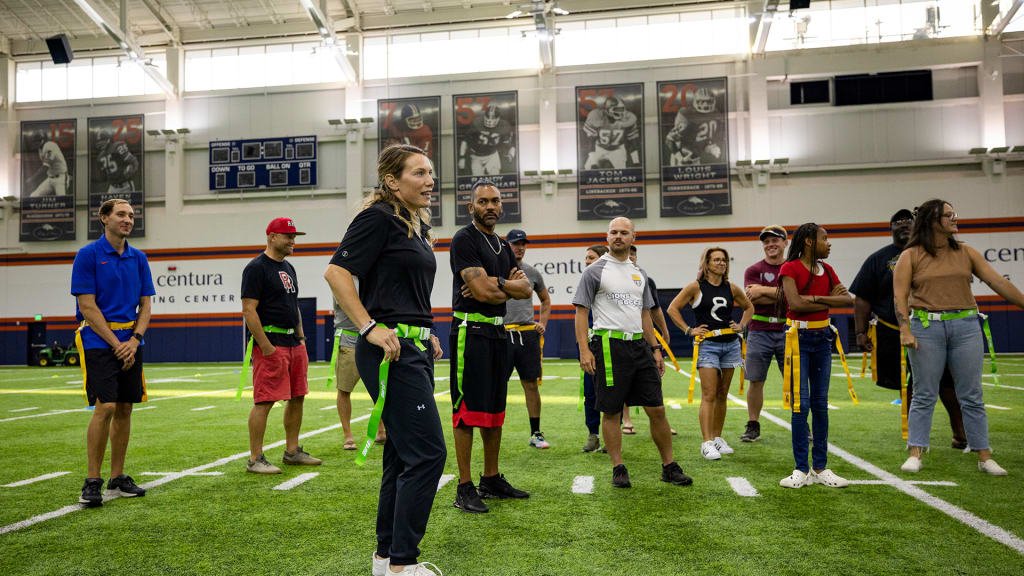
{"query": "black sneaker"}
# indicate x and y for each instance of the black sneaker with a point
(92, 493)
(620, 477)
(497, 487)
(752, 433)
(674, 474)
(467, 498)
(124, 486)
(959, 443)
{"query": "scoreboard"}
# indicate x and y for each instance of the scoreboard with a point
(263, 163)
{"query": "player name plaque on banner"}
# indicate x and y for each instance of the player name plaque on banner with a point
(116, 149)
(48, 180)
(693, 131)
(263, 163)
(417, 122)
(610, 152)
(487, 147)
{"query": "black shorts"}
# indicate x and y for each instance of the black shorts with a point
(524, 355)
(479, 401)
(107, 382)
(635, 376)
(888, 360)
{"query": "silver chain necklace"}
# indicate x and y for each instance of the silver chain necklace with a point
(488, 240)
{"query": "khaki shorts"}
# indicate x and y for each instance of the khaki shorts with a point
(346, 376)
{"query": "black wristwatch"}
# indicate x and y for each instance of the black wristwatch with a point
(656, 348)
(137, 336)
(501, 283)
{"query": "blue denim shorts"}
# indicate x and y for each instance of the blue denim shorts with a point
(720, 355)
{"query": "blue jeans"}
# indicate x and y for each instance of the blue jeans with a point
(957, 344)
(815, 372)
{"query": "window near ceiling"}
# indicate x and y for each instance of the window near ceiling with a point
(258, 66)
(86, 78)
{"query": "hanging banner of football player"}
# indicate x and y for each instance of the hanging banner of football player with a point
(693, 128)
(414, 121)
(116, 147)
(48, 180)
(610, 152)
(487, 147)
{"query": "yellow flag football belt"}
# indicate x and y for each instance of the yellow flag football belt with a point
(530, 328)
(791, 368)
(696, 352)
(81, 355)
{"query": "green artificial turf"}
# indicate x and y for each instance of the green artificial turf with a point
(234, 523)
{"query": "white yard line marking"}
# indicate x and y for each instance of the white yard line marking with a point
(34, 480)
(169, 380)
(330, 407)
(831, 407)
(298, 480)
(742, 486)
(1000, 374)
(583, 485)
(172, 473)
(25, 409)
(675, 406)
(983, 526)
(55, 412)
(444, 479)
(203, 408)
(143, 408)
(72, 385)
(175, 476)
(996, 407)
(1002, 386)
(315, 379)
(914, 482)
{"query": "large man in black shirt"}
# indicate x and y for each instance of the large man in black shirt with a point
(270, 307)
(485, 276)
(874, 297)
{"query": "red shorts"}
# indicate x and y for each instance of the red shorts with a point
(280, 376)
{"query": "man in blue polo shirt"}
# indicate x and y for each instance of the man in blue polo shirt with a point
(113, 285)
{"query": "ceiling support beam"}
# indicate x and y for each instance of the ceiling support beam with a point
(997, 28)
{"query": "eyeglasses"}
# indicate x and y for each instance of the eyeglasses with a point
(950, 215)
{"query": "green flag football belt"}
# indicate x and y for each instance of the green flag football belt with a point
(460, 348)
(248, 356)
(415, 333)
(606, 352)
(768, 319)
(927, 318)
(334, 353)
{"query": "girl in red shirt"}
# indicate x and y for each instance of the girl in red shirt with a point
(811, 287)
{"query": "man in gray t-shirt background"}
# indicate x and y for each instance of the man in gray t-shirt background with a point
(526, 336)
(345, 375)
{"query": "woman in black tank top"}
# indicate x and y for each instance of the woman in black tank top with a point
(712, 298)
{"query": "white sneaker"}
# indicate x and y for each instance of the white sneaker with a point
(913, 464)
(709, 452)
(829, 478)
(380, 566)
(797, 479)
(722, 446)
(421, 569)
(990, 467)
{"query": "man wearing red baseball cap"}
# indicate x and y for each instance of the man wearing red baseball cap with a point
(270, 307)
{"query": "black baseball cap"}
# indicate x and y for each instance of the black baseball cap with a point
(516, 235)
(772, 230)
(902, 214)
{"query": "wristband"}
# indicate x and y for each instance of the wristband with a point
(369, 326)
(687, 331)
(137, 336)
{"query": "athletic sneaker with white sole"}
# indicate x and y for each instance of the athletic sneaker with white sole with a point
(722, 446)
(125, 487)
(913, 464)
(421, 569)
(537, 441)
(797, 479)
(829, 478)
(709, 452)
(380, 565)
(990, 467)
(261, 466)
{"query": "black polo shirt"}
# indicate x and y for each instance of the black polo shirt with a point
(471, 248)
(276, 286)
(874, 282)
(396, 272)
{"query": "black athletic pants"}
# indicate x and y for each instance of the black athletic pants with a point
(414, 453)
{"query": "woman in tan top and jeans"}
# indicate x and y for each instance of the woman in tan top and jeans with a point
(939, 326)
